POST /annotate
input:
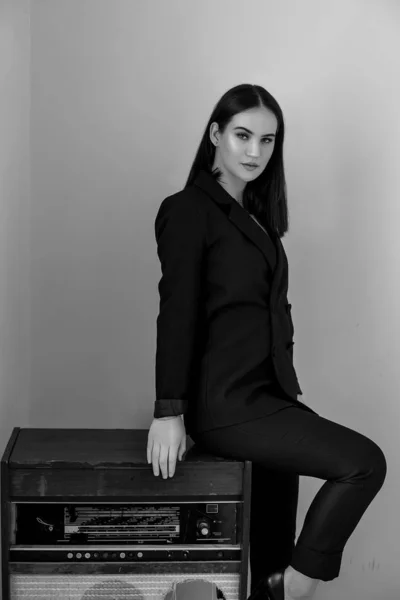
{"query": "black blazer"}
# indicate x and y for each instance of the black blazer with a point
(224, 330)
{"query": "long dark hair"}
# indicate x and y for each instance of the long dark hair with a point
(265, 197)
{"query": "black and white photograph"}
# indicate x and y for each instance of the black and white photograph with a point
(200, 299)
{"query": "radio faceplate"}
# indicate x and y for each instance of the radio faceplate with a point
(38, 524)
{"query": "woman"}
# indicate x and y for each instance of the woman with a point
(224, 360)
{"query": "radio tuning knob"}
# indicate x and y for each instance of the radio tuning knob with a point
(203, 527)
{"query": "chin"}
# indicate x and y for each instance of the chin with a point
(244, 175)
(250, 175)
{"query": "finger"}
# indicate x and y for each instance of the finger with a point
(164, 461)
(149, 450)
(182, 450)
(155, 458)
(173, 451)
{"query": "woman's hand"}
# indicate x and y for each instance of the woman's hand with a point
(165, 442)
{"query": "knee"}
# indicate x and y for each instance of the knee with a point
(380, 465)
(373, 464)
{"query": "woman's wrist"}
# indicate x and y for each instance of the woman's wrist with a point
(168, 418)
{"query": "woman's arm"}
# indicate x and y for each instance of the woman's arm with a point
(180, 230)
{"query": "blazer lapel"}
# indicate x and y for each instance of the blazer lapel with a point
(240, 218)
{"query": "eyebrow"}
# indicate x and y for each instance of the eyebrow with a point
(248, 131)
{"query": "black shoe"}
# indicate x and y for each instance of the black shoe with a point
(275, 587)
(269, 588)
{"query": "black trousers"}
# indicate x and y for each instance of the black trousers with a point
(283, 446)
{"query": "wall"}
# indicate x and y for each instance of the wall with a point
(121, 92)
(14, 216)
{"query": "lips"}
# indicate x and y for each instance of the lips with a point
(250, 164)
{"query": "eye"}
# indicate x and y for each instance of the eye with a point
(245, 136)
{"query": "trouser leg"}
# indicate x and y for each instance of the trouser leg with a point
(295, 441)
(274, 498)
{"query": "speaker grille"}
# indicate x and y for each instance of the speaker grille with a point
(112, 587)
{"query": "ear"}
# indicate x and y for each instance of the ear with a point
(214, 133)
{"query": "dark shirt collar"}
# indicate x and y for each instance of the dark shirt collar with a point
(213, 188)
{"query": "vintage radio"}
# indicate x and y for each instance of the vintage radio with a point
(84, 517)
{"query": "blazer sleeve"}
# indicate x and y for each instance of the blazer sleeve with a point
(180, 231)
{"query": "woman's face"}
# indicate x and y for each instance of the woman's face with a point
(248, 138)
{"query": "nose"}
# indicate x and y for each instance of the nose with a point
(253, 149)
